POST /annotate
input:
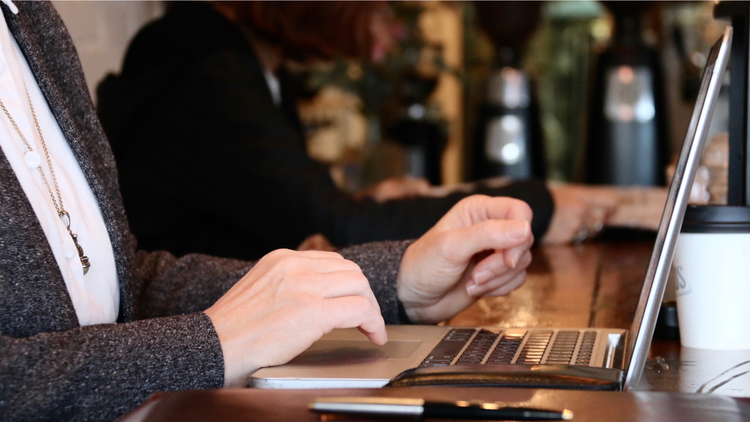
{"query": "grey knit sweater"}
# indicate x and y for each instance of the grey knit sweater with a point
(50, 367)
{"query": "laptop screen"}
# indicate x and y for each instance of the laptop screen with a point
(674, 211)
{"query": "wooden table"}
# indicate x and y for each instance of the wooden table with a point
(254, 405)
(597, 285)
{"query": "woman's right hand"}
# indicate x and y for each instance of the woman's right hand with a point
(287, 302)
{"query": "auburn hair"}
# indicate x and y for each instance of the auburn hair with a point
(311, 29)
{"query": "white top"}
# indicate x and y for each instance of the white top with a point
(96, 297)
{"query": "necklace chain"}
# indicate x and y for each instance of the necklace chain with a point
(56, 200)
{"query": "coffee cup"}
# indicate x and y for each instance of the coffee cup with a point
(712, 278)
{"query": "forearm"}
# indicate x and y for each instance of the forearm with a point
(174, 286)
(100, 372)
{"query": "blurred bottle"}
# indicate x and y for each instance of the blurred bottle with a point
(628, 141)
(508, 140)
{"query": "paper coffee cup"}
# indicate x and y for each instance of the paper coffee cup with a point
(712, 272)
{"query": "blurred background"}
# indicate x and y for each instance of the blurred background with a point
(575, 91)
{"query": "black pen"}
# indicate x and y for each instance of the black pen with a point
(395, 407)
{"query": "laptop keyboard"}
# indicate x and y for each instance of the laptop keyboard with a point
(468, 346)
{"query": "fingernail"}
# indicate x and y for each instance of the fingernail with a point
(473, 290)
(514, 258)
(482, 276)
(518, 229)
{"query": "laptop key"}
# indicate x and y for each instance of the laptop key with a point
(586, 350)
(478, 348)
(449, 347)
(506, 348)
(563, 347)
(535, 346)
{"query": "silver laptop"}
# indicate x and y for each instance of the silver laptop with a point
(584, 358)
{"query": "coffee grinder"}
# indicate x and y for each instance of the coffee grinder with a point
(627, 140)
(508, 139)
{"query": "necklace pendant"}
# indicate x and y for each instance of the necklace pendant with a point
(65, 217)
(84, 259)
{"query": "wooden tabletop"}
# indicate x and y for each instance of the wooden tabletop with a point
(252, 405)
(597, 284)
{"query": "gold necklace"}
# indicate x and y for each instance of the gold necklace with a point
(32, 160)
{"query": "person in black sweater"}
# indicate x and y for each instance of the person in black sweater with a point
(195, 127)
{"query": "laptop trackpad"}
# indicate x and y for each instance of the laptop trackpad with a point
(343, 352)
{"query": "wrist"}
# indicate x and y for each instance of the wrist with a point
(404, 297)
(237, 366)
(406, 309)
(407, 313)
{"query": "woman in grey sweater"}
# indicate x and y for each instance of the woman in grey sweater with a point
(189, 323)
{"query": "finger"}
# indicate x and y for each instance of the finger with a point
(307, 254)
(320, 254)
(520, 210)
(322, 262)
(503, 208)
(490, 267)
(495, 266)
(524, 262)
(355, 311)
(601, 197)
(462, 244)
(478, 290)
(330, 264)
(342, 284)
(513, 255)
(506, 287)
(597, 217)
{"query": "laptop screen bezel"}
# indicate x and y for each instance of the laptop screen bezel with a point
(655, 281)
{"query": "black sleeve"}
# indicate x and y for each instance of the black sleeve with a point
(409, 218)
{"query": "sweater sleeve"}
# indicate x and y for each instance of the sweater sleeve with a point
(102, 371)
(380, 262)
(99, 372)
(174, 286)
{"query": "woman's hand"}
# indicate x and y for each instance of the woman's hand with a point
(287, 302)
(580, 212)
(397, 188)
(583, 211)
(479, 248)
